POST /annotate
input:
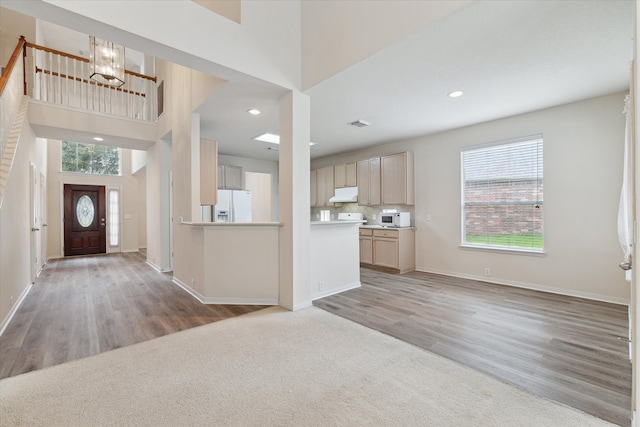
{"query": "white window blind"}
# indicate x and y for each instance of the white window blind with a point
(502, 194)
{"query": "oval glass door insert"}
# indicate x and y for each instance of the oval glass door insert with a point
(85, 211)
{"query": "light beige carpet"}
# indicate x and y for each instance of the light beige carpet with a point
(273, 367)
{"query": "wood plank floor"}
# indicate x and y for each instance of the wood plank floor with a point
(83, 306)
(566, 349)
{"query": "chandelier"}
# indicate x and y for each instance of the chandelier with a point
(106, 62)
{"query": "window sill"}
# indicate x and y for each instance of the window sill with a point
(509, 251)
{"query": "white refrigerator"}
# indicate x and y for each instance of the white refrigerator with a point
(233, 206)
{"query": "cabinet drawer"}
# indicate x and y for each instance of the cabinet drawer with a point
(386, 233)
(366, 232)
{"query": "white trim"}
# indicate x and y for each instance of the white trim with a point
(14, 309)
(333, 291)
(190, 291)
(128, 251)
(214, 300)
(155, 267)
(502, 250)
(241, 301)
(532, 286)
(297, 307)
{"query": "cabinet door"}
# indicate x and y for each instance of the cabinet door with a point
(221, 177)
(394, 179)
(233, 177)
(366, 250)
(385, 252)
(339, 172)
(325, 188)
(208, 179)
(374, 181)
(314, 188)
(350, 175)
(363, 182)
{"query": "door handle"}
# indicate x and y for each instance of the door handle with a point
(625, 265)
(35, 229)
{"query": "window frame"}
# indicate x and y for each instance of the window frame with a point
(517, 250)
(90, 173)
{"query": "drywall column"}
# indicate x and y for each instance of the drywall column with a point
(195, 168)
(295, 240)
(634, 307)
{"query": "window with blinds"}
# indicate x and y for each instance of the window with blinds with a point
(503, 195)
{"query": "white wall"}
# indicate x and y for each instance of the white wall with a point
(129, 200)
(338, 34)
(15, 221)
(583, 149)
(158, 209)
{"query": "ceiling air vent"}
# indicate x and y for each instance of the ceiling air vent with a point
(360, 123)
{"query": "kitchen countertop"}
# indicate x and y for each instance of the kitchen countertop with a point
(233, 224)
(382, 226)
(338, 222)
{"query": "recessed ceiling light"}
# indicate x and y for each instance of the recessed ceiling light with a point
(97, 138)
(456, 94)
(254, 111)
(272, 138)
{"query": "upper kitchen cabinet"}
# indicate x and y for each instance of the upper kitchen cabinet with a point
(369, 182)
(397, 179)
(230, 177)
(313, 178)
(345, 175)
(208, 162)
(322, 187)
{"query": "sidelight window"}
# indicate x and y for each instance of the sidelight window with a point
(114, 217)
(502, 195)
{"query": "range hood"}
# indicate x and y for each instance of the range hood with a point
(345, 195)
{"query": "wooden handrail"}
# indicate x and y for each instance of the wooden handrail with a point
(78, 79)
(12, 62)
(80, 58)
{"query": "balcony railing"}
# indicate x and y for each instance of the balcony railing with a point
(63, 79)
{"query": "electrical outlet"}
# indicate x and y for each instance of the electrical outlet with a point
(11, 301)
(427, 217)
(487, 272)
(321, 286)
(375, 216)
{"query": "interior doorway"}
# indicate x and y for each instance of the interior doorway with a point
(260, 186)
(84, 220)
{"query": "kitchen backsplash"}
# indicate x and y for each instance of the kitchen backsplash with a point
(368, 212)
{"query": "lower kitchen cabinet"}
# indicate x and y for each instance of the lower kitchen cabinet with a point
(366, 246)
(388, 248)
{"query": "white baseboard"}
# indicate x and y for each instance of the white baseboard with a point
(304, 305)
(14, 309)
(534, 287)
(155, 267)
(333, 291)
(232, 301)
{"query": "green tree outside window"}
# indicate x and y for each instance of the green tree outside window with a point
(90, 158)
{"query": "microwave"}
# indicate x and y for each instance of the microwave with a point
(395, 219)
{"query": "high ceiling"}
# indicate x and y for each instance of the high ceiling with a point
(508, 58)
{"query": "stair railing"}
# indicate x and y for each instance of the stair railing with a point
(12, 88)
(63, 79)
